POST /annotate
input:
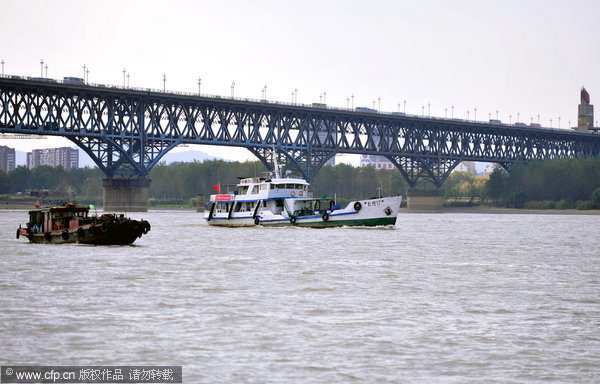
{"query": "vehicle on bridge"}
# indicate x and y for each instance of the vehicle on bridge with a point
(276, 201)
(71, 224)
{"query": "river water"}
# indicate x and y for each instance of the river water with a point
(443, 298)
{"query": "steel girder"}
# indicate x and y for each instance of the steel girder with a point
(126, 132)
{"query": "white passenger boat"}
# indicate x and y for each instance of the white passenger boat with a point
(273, 200)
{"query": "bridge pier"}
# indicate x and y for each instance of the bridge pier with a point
(424, 200)
(129, 195)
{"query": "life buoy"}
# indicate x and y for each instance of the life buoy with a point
(301, 193)
(325, 216)
(292, 193)
(318, 205)
(357, 206)
(293, 219)
(256, 220)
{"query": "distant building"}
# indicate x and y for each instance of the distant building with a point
(376, 161)
(467, 166)
(66, 157)
(585, 115)
(7, 158)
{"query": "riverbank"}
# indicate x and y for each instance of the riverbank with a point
(510, 211)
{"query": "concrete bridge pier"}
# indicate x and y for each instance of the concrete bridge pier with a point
(125, 195)
(428, 200)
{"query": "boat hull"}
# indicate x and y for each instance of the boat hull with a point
(371, 212)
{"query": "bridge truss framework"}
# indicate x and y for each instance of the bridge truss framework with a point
(127, 131)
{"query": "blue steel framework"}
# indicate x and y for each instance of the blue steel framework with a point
(127, 131)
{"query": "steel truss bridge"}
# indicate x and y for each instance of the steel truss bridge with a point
(127, 131)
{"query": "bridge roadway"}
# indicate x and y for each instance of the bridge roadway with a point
(127, 130)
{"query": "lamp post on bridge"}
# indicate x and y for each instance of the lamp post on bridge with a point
(164, 82)
(84, 68)
(296, 95)
(468, 113)
(475, 118)
(538, 118)
(405, 106)
(379, 100)
(559, 122)
(510, 119)
(496, 114)
(46, 68)
(42, 68)
(87, 75)
(550, 123)
(232, 88)
(127, 79)
(429, 109)
(352, 97)
(124, 72)
(2, 67)
(453, 111)
(518, 117)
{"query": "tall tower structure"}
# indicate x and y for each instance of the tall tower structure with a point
(585, 115)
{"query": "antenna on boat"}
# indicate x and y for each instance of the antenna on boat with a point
(276, 166)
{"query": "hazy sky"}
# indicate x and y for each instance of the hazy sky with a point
(527, 57)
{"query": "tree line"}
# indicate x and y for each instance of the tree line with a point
(559, 183)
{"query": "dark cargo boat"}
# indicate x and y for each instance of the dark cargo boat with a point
(71, 224)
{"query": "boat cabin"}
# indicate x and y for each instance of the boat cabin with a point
(62, 218)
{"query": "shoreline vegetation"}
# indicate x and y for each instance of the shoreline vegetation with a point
(557, 185)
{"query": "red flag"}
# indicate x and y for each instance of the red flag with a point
(217, 187)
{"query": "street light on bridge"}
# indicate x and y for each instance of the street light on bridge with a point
(124, 72)
(46, 68)
(475, 118)
(199, 83)
(42, 68)
(164, 82)
(232, 88)
(2, 67)
(558, 121)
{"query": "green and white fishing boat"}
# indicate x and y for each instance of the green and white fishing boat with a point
(273, 200)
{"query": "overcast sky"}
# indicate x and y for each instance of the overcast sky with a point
(526, 57)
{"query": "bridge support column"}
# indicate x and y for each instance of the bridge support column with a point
(129, 195)
(424, 200)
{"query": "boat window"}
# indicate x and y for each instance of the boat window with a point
(289, 186)
(255, 189)
(263, 187)
(243, 189)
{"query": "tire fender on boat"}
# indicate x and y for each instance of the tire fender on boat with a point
(293, 219)
(104, 227)
(80, 233)
(147, 227)
(256, 221)
(325, 216)
(18, 234)
(357, 206)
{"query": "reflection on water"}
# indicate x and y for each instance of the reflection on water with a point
(443, 298)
